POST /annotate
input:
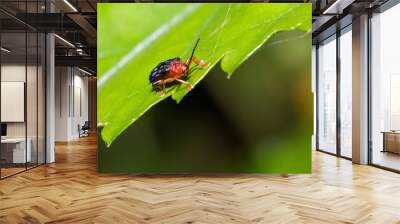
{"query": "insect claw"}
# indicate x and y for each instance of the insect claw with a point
(190, 86)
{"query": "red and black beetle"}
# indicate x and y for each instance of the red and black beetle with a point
(174, 70)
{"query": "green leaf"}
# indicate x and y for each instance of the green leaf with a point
(152, 33)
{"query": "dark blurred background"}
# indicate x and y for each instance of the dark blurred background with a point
(258, 121)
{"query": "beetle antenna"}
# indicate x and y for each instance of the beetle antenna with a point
(191, 57)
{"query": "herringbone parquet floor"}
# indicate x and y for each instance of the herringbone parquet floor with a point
(70, 191)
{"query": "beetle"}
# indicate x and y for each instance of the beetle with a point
(174, 70)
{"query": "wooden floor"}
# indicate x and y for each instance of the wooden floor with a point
(70, 191)
(387, 159)
(5, 172)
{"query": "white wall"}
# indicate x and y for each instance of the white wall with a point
(12, 73)
(33, 127)
(80, 109)
(71, 102)
(62, 81)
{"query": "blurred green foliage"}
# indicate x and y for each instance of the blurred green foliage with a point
(151, 33)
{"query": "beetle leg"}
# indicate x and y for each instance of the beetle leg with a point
(159, 87)
(192, 69)
(155, 84)
(189, 86)
(199, 62)
(163, 89)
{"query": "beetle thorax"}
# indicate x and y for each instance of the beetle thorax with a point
(178, 69)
